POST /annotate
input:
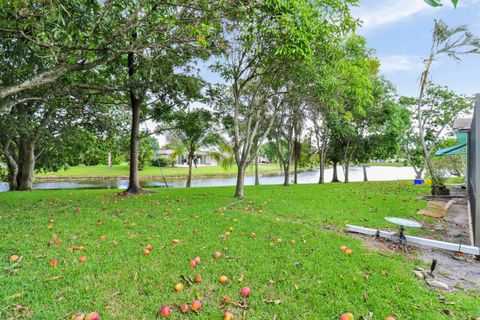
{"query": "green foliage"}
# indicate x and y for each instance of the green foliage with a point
(162, 162)
(118, 264)
(438, 3)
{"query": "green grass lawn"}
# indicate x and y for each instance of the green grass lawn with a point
(311, 279)
(149, 171)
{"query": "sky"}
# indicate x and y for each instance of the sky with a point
(400, 32)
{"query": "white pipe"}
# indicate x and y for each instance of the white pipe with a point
(421, 241)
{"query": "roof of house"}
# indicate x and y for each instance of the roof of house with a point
(462, 124)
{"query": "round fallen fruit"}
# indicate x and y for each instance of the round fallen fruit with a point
(149, 247)
(178, 287)
(343, 248)
(78, 316)
(293, 241)
(58, 241)
(196, 305)
(100, 222)
(92, 316)
(227, 315)
(184, 308)
(279, 240)
(13, 258)
(245, 292)
(82, 259)
(192, 264)
(104, 237)
(223, 279)
(175, 241)
(146, 251)
(227, 233)
(230, 229)
(51, 220)
(272, 244)
(218, 255)
(254, 235)
(347, 316)
(53, 263)
(164, 312)
(390, 318)
(54, 236)
(198, 278)
(197, 260)
(349, 251)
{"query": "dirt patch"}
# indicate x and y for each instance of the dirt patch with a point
(459, 273)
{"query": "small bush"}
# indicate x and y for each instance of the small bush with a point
(164, 162)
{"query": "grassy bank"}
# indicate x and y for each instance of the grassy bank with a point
(121, 171)
(307, 278)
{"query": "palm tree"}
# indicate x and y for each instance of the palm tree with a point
(189, 131)
(453, 42)
(224, 155)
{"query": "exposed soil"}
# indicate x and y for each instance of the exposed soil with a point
(460, 273)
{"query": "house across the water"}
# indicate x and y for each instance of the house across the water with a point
(202, 157)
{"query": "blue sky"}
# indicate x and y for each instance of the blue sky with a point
(400, 32)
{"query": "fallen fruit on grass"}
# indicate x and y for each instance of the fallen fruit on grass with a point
(82, 259)
(272, 244)
(347, 316)
(197, 260)
(53, 263)
(149, 247)
(100, 222)
(196, 305)
(218, 255)
(78, 316)
(231, 228)
(390, 318)
(184, 308)
(293, 241)
(93, 316)
(193, 263)
(54, 236)
(104, 237)
(175, 241)
(343, 248)
(198, 278)
(349, 251)
(178, 287)
(254, 235)
(227, 233)
(164, 312)
(13, 258)
(223, 279)
(57, 241)
(51, 220)
(245, 291)
(146, 251)
(227, 315)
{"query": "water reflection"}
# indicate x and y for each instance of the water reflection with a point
(356, 174)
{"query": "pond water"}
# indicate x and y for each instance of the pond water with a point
(376, 173)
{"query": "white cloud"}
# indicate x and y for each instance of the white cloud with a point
(399, 63)
(377, 13)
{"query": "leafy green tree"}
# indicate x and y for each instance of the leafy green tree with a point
(265, 37)
(440, 107)
(453, 42)
(189, 132)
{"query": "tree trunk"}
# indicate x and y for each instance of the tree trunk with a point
(12, 168)
(346, 171)
(257, 178)
(26, 165)
(286, 173)
(133, 179)
(296, 158)
(190, 165)
(321, 178)
(335, 172)
(240, 181)
(365, 178)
